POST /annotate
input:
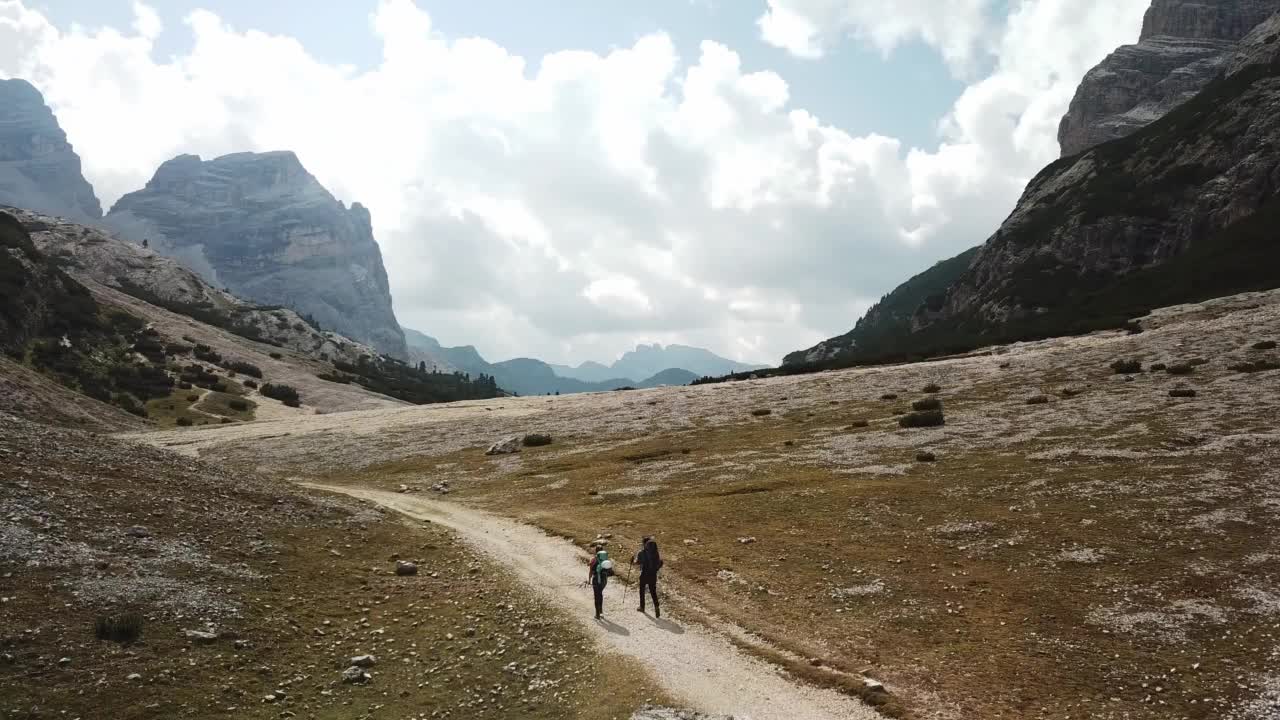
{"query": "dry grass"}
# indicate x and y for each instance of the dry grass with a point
(1065, 559)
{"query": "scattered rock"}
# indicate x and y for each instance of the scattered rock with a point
(133, 677)
(404, 567)
(364, 661)
(746, 540)
(137, 531)
(200, 637)
(354, 675)
(689, 542)
(504, 447)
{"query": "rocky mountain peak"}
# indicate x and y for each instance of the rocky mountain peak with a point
(38, 167)
(1183, 46)
(262, 226)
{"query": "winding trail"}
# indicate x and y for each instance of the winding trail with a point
(701, 669)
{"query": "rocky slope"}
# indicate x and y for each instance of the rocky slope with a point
(260, 225)
(1182, 210)
(1184, 45)
(38, 167)
(892, 316)
(93, 255)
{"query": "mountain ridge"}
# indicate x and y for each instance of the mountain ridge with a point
(39, 168)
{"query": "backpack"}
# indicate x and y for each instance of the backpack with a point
(604, 566)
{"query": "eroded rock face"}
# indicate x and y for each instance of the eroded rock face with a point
(1184, 45)
(262, 226)
(39, 170)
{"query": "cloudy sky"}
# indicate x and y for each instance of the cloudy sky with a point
(566, 179)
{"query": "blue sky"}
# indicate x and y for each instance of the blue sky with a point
(746, 175)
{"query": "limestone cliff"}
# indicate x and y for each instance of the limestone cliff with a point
(266, 229)
(38, 168)
(1184, 45)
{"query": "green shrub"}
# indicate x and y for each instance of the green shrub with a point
(928, 418)
(1038, 400)
(926, 456)
(207, 354)
(1127, 367)
(238, 405)
(889, 396)
(1070, 392)
(184, 422)
(931, 403)
(275, 356)
(1182, 393)
(192, 398)
(1256, 366)
(283, 393)
(1159, 367)
(251, 384)
(1181, 369)
(859, 424)
(124, 628)
(931, 388)
(761, 412)
(536, 440)
(244, 368)
(1265, 345)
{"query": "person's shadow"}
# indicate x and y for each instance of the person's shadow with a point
(669, 626)
(612, 627)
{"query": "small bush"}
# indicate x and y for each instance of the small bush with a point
(124, 628)
(931, 388)
(536, 440)
(207, 354)
(283, 393)
(238, 405)
(1197, 362)
(1182, 393)
(225, 421)
(931, 403)
(928, 418)
(335, 378)
(889, 396)
(1265, 345)
(244, 368)
(762, 412)
(192, 398)
(1127, 367)
(275, 356)
(1133, 328)
(184, 422)
(185, 385)
(177, 349)
(1038, 400)
(859, 424)
(251, 384)
(1159, 367)
(1070, 392)
(926, 456)
(1181, 369)
(1256, 366)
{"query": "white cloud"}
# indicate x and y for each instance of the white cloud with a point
(572, 205)
(807, 28)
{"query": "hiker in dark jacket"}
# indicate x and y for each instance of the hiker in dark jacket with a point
(650, 563)
(598, 577)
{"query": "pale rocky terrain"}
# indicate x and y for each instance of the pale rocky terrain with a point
(38, 167)
(260, 225)
(1109, 552)
(1184, 45)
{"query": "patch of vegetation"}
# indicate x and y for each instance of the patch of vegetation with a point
(284, 393)
(925, 456)
(1127, 367)
(861, 423)
(1265, 345)
(1038, 400)
(1181, 369)
(761, 412)
(245, 368)
(537, 440)
(412, 383)
(207, 354)
(1256, 366)
(1159, 367)
(932, 388)
(125, 628)
(1182, 393)
(889, 396)
(930, 403)
(928, 418)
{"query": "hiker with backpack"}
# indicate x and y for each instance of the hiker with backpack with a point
(599, 571)
(650, 563)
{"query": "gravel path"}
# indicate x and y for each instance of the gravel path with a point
(701, 669)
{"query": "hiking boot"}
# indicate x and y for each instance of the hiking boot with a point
(641, 608)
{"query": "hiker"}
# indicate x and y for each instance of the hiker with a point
(598, 572)
(650, 563)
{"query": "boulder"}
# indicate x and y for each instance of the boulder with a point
(355, 675)
(404, 567)
(504, 447)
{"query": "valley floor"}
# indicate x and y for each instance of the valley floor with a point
(1107, 550)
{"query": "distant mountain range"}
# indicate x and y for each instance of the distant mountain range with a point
(645, 367)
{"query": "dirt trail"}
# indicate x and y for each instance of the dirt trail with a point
(701, 669)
